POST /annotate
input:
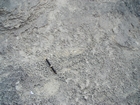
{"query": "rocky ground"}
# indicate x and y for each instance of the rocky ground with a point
(94, 46)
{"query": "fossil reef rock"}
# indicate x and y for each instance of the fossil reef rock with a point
(94, 46)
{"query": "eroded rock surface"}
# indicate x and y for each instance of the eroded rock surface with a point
(94, 46)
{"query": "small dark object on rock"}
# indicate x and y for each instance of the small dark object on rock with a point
(51, 66)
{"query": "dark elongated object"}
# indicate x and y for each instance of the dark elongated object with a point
(48, 62)
(51, 66)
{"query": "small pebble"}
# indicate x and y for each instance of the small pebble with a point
(31, 92)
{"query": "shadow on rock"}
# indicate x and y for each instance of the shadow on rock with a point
(8, 93)
(133, 6)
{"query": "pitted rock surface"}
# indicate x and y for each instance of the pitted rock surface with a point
(94, 46)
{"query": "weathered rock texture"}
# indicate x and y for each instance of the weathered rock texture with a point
(94, 45)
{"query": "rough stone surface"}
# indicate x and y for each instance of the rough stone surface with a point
(94, 46)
